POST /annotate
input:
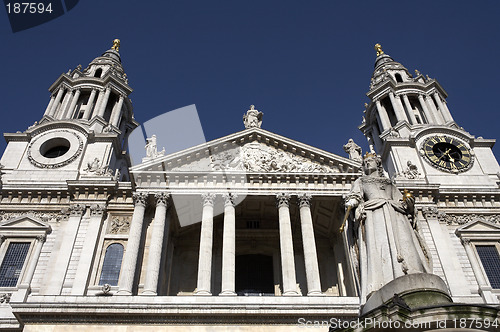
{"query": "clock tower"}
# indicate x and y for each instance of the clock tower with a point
(409, 124)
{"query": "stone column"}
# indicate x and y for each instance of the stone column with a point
(49, 106)
(68, 237)
(206, 241)
(104, 102)
(83, 269)
(444, 110)
(484, 288)
(384, 118)
(98, 103)
(115, 115)
(90, 105)
(286, 245)
(159, 230)
(56, 101)
(433, 109)
(309, 243)
(411, 114)
(427, 112)
(71, 108)
(129, 263)
(64, 105)
(228, 246)
(400, 113)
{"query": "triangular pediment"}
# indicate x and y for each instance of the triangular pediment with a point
(479, 226)
(24, 223)
(253, 150)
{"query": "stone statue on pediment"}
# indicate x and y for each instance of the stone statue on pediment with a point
(353, 150)
(253, 118)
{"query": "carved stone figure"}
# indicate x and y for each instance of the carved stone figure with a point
(353, 150)
(92, 166)
(152, 149)
(253, 118)
(411, 171)
(388, 240)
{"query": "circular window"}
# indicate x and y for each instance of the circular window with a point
(55, 147)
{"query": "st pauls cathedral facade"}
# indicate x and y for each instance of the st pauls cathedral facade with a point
(251, 231)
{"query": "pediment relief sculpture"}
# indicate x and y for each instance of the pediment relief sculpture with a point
(256, 157)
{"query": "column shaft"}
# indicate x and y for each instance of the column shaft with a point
(104, 102)
(64, 105)
(228, 246)
(115, 115)
(56, 102)
(129, 263)
(435, 113)
(206, 241)
(89, 248)
(427, 112)
(286, 246)
(309, 243)
(411, 114)
(98, 103)
(90, 105)
(71, 108)
(400, 114)
(384, 118)
(49, 106)
(444, 110)
(160, 228)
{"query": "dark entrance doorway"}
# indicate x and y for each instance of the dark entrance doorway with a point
(254, 275)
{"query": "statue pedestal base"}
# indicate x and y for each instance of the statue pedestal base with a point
(416, 290)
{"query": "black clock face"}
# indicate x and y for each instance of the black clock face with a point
(447, 153)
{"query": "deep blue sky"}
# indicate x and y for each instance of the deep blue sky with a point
(305, 64)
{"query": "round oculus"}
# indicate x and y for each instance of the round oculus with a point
(55, 148)
(447, 154)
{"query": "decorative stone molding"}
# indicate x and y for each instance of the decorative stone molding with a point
(2, 239)
(432, 212)
(465, 241)
(162, 198)
(5, 297)
(105, 290)
(41, 238)
(140, 198)
(411, 172)
(451, 219)
(40, 161)
(119, 224)
(43, 216)
(208, 198)
(76, 209)
(97, 209)
(229, 199)
(304, 200)
(282, 199)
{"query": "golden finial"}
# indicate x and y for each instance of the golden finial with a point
(116, 45)
(378, 48)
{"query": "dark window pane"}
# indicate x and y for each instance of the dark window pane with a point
(111, 265)
(491, 263)
(13, 263)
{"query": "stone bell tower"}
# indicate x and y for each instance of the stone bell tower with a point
(83, 131)
(409, 124)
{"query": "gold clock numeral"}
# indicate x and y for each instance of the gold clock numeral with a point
(453, 166)
(442, 139)
(442, 163)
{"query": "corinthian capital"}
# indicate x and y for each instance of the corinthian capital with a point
(229, 199)
(140, 199)
(76, 209)
(282, 199)
(208, 198)
(304, 200)
(162, 198)
(97, 209)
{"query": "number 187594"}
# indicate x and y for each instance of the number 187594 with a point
(28, 8)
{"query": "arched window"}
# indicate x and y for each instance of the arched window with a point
(399, 79)
(98, 73)
(111, 266)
